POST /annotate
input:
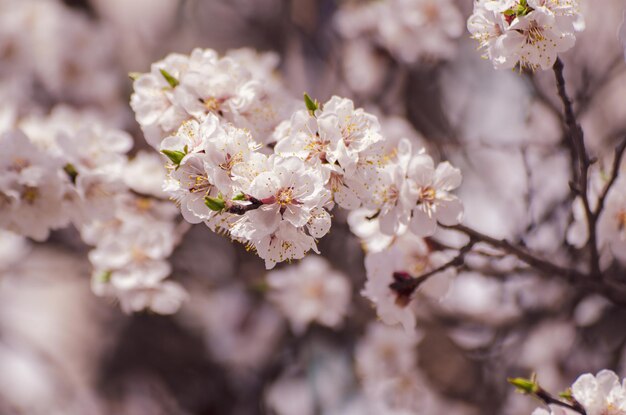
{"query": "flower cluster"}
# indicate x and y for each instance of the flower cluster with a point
(386, 362)
(130, 255)
(525, 33)
(181, 88)
(411, 30)
(310, 291)
(70, 167)
(393, 278)
(50, 52)
(274, 193)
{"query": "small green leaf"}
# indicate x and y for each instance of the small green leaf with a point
(175, 156)
(240, 196)
(134, 75)
(311, 105)
(214, 203)
(71, 171)
(524, 385)
(509, 12)
(169, 78)
(104, 277)
(567, 395)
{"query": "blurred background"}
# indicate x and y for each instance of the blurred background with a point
(230, 349)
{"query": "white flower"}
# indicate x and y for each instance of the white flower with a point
(420, 259)
(165, 298)
(289, 192)
(33, 188)
(390, 191)
(434, 202)
(420, 29)
(528, 33)
(145, 174)
(310, 291)
(385, 352)
(189, 185)
(130, 255)
(13, 248)
(156, 110)
(239, 330)
(612, 221)
(487, 27)
(411, 30)
(289, 396)
(287, 243)
(393, 307)
(336, 133)
(364, 224)
(601, 394)
(349, 131)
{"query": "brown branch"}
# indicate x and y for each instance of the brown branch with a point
(551, 400)
(577, 142)
(617, 161)
(524, 255)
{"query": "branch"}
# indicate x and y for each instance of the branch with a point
(619, 155)
(551, 400)
(531, 259)
(577, 142)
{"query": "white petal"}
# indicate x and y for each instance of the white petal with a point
(421, 224)
(450, 212)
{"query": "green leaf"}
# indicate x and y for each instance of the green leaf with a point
(134, 75)
(214, 203)
(71, 171)
(104, 277)
(311, 105)
(524, 385)
(509, 12)
(567, 395)
(175, 156)
(240, 196)
(169, 78)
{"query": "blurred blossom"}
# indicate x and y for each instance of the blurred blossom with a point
(310, 292)
(411, 30)
(239, 331)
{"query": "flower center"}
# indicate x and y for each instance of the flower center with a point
(284, 196)
(19, 164)
(420, 263)
(212, 104)
(200, 184)
(144, 204)
(391, 195)
(230, 161)
(317, 148)
(534, 34)
(427, 195)
(30, 194)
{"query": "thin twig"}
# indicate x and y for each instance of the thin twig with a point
(617, 161)
(550, 400)
(409, 285)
